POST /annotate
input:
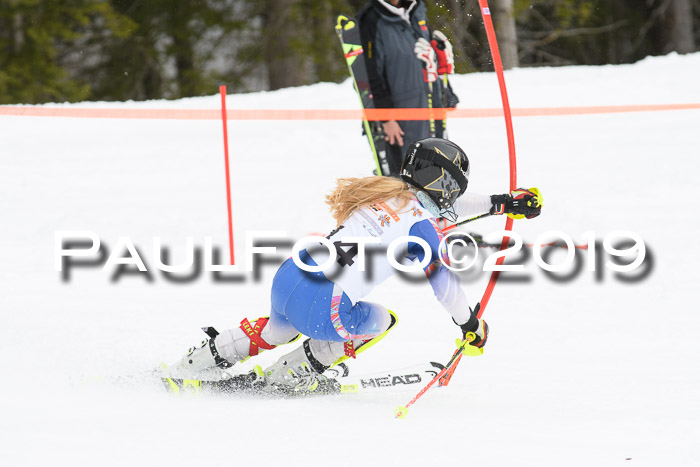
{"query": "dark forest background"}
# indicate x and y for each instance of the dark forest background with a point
(75, 50)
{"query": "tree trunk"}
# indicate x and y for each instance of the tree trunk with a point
(505, 31)
(18, 36)
(681, 37)
(285, 64)
(184, 64)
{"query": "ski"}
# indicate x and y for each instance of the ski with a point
(349, 35)
(391, 379)
(336, 381)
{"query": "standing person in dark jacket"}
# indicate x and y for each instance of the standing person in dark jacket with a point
(403, 67)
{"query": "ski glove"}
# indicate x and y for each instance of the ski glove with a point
(519, 204)
(475, 333)
(426, 54)
(443, 51)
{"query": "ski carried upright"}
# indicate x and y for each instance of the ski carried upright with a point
(348, 33)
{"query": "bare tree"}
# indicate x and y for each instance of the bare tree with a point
(681, 23)
(505, 31)
(282, 49)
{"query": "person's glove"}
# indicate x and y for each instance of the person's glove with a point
(443, 52)
(519, 204)
(475, 333)
(425, 53)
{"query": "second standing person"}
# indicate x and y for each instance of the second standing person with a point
(403, 68)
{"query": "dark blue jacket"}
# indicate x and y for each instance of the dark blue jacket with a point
(395, 73)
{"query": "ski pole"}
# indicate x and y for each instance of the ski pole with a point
(444, 105)
(471, 219)
(430, 108)
(402, 410)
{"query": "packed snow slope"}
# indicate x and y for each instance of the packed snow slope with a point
(590, 370)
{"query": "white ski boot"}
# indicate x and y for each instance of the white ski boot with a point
(209, 361)
(297, 372)
(301, 370)
(201, 363)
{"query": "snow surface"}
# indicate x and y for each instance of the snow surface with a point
(577, 373)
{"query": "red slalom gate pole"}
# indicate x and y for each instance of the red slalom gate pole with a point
(222, 91)
(445, 375)
(498, 68)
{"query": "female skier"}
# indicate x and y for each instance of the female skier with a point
(330, 313)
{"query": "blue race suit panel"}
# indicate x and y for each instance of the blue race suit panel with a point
(304, 299)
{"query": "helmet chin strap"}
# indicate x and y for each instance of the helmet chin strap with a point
(428, 203)
(433, 208)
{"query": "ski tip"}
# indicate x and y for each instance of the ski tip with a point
(341, 21)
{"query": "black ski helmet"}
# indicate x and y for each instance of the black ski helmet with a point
(439, 168)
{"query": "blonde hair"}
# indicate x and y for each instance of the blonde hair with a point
(350, 194)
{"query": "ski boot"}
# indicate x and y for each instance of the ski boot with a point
(215, 355)
(301, 371)
(298, 373)
(200, 363)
